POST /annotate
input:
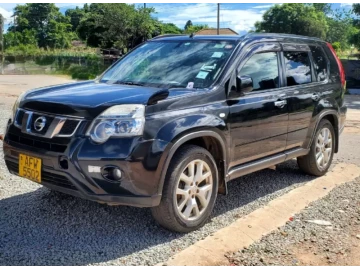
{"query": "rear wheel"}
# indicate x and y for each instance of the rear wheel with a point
(318, 160)
(190, 190)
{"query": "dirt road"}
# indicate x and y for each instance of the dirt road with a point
(12, 85)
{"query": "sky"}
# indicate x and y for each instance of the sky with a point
(240, 17)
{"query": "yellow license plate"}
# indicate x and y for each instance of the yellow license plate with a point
(30, 167)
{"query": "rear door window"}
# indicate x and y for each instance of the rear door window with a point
(298, 68)
(320, 63)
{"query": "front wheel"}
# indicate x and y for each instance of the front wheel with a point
(189, 192)
(318, 160)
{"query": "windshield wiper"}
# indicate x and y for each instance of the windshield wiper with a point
(130, 83)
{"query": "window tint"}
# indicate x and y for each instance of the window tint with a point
(263, 69)
(298, 69)
(320, 63)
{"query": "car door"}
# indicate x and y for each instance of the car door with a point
(303, 91)
(258, 120)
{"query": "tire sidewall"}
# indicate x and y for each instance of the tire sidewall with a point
(202, 155)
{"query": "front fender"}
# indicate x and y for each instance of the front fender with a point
(174, 129)
(183, 129)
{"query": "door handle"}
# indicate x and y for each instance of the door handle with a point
(315, 96)
(280, 103)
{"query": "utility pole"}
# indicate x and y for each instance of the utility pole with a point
(2, 43)
(218, 19)
(144, 5)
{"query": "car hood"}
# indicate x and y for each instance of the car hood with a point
(90, 98)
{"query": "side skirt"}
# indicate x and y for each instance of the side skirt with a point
(264, 163)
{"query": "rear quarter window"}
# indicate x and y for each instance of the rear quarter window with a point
(334, 69)
(320, 63)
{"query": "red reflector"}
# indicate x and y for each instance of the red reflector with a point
(341, 68)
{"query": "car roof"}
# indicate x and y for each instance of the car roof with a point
(248, 37)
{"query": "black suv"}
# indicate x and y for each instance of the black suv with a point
(173, 121)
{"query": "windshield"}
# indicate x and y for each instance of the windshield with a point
(172, 64)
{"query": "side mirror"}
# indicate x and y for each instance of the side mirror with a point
(244, 84)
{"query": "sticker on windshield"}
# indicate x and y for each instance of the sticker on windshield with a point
(229, 46)
(205, 67)
(202, 74)
(219, 45)
(190, 85)
(217, 54)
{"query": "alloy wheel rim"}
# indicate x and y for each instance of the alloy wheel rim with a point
(193, 190)
(323, 148)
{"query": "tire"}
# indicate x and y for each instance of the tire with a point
(167, 213)
(309, 163)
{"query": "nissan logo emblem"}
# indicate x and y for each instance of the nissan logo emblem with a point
(39, 123)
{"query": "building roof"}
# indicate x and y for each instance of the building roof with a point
(213, 31)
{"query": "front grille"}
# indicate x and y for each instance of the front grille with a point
(59, 148)
(19, 117)
(34, 117)
(46, 177)
(67, 130)
(69, 127)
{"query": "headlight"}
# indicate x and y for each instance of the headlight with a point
(16, 105)
(118, 121)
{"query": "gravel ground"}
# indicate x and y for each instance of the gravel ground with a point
(302, 243)
(40, 227)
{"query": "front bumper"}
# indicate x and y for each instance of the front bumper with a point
(139, 185)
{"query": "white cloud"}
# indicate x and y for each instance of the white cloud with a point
(264, 6)
(71, 5)
(6, 14)
(346, 4)
(239, 20)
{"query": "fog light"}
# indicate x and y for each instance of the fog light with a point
(111, 173)
(116, 173)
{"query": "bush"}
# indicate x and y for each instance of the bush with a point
(336, 46)
(85, 72)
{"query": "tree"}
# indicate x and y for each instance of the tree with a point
(340, 28)
(294, 18)
(45, 21)
(26, 37)
(355, 35)
(117, 24)
(75, 16)
(170, 28)
(195, 28)
(322, 7)
(188, 24)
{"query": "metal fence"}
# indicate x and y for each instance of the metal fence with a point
(22, 65)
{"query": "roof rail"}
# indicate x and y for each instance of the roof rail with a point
(167, 35)
(281, 35)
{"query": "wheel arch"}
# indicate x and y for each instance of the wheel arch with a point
(208, 139)
(333, 117)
